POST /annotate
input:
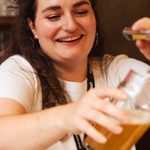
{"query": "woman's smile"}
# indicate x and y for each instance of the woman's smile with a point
(70, 40)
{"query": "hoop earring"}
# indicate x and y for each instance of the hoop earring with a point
(96, 40)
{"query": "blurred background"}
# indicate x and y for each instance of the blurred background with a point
(114, 16)
(7, 14)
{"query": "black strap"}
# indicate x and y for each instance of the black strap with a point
(90, 84)
(90, 78)
(78, 142)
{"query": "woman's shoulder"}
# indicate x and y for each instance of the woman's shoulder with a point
(16, 70)
(104, 62)
(123, 62)
(115, 68)
(119, 61)
(16, 62)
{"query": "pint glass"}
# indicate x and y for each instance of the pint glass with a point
(137, 88)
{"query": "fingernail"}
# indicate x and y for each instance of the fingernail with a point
(103, 140)
(118, 130)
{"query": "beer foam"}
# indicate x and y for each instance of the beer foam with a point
(138, 116)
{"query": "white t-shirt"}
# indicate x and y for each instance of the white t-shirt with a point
(19, 82)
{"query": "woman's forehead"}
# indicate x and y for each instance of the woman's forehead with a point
(62, 4)
(59, 2)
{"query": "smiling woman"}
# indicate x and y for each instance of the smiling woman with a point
(56, 58)
(72, 26)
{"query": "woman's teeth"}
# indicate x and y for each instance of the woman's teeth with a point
(70, 39)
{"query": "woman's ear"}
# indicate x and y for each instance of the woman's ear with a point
(32, 27)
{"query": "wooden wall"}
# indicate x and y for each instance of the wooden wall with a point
(114, 16)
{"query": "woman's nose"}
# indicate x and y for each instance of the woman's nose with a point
(70, 24)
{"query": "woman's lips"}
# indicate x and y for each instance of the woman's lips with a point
(69, 39)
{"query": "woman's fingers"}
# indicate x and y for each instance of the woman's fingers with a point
(110, 109)
(88, 129)
(106, 92)
(144, 47)
(102, 112)
(142, 24)
(93, 107)
(96, 100)
(105, 121)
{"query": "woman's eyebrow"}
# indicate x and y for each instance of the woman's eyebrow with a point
(57, 7)
(80, 3)
(51, 8)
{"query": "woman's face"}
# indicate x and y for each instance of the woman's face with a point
(65, 28)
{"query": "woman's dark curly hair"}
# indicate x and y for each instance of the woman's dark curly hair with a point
(23, 43)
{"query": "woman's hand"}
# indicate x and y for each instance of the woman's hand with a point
(94, 108)
(144, 46)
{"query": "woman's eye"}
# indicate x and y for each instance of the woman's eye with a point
(53, 17)
(81, 12)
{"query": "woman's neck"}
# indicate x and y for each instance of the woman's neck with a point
(73, 72)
